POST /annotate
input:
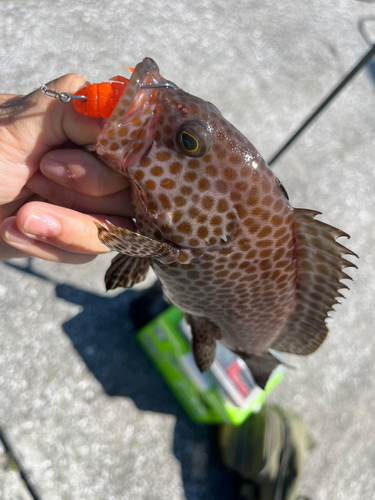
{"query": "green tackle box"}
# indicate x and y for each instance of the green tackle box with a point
(226, 393)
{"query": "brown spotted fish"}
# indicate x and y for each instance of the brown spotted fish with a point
(216, 226)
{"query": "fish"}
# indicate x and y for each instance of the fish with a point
(217, 227)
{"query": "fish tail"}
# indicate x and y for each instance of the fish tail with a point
(261, 367)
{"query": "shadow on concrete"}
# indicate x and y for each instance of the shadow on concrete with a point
(104, 334)
(366, 27)
(371, 70)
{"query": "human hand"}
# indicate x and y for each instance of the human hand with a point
(50, 189)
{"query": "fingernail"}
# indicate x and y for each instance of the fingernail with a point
(41, 224)
(55, 169)
(13, 235)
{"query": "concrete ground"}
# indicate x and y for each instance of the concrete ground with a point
(81, 407)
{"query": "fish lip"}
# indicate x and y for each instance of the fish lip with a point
(145, 73)
(133, 100)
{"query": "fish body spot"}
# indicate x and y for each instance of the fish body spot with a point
(145, 162)
(175, 168)
(203, 185)
(202, 232)
(207, 202)
(193, 212)
(167, 184)
(230, 174)
(190, 176)
(164, 200)
(222, 205)
(139, 174)
(180, 201)
(278, 205)
(152, 207)
(235, 196)
(202, 218)
(163, 156)
(157, 171)
(193, 242)
(186, 190)
(184, 227)
(193, 164)
(221, 186)
(216, 220)
(211, 170)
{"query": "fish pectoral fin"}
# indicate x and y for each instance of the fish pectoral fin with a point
(126, 271)
(204, 334)
(135, 245)
(261, 367)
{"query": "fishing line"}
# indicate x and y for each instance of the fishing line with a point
(320, 108)
(24, 476)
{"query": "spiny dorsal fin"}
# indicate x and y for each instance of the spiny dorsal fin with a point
(319, 270)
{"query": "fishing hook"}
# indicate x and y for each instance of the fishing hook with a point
(160, 85)
(63, 96)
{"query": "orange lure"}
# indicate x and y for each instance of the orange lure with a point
(101, 98)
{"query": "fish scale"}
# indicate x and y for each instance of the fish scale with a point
(217, 227)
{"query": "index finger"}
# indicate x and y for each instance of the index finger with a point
(82, 171)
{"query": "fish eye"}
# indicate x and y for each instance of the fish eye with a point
(282, 188)
(193, 139)
(189, 142)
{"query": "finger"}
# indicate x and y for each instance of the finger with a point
(8, 209)
(60, 227)
(34, 124)
(82, 172)
(8, 98)
(52, 123)
(117, 204)
(19, 245)
(9, 252)
(62, 122)
(11, 208)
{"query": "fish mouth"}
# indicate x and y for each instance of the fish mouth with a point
(127, 135)
(137, 114)
(145, 73)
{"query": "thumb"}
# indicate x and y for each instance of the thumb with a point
(61, 121)
(37, 123)
(33, 125)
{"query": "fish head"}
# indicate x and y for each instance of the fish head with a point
(186, 163)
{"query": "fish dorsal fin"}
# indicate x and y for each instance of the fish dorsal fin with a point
(319, 271)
